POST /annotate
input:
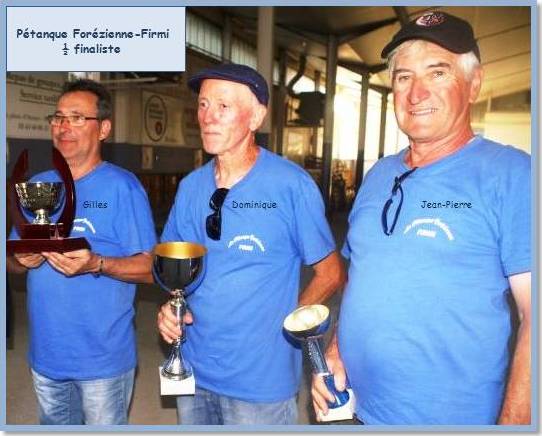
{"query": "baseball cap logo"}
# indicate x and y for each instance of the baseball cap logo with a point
(430, 19)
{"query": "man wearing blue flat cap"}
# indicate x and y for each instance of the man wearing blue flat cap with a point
(260, 218)
(439, 241)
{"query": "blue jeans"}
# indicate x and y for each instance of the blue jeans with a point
(208, 408)
(100, 401)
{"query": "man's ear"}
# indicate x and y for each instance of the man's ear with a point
(105, 129)
(476, 84)
(258, 115)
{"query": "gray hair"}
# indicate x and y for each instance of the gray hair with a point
(468, 62)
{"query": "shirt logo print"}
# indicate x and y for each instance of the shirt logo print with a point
(86, 222)
(247, 243)
(428, 230)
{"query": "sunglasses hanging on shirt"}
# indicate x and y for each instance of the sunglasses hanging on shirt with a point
(394, 190)
(213, 223)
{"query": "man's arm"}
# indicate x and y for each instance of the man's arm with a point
(328, 276)
(133, 269)
(516, 408)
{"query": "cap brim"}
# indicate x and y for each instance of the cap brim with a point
(396, 43)
(195, 81)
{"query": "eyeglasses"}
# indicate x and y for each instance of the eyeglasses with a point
(73, 120)
(213, 224)
(396, 187)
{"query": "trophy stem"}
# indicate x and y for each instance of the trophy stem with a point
(42, 217)
(178, 307)
(175, 367)
(314, 350)
(319, 366)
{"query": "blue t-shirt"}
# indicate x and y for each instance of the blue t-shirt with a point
(272, 221)
(81, 327)
(424, 323)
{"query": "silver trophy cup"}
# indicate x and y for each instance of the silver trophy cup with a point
(178, 268)
(40, 198)
(308, 324)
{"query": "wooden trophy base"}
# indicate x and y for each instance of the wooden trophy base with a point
(60, 245)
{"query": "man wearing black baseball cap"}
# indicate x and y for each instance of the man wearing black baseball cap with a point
(260, 218)
(439, 236)
(450, 32)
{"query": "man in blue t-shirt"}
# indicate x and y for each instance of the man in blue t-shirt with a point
(439, 237)
(80, 304)
(260, 218)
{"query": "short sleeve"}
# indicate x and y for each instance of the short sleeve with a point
(174, 223)
(313, 234)
(134, 225)
(514, 208)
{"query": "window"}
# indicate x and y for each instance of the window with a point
(203, 36)
(243, 53)
(76, 75)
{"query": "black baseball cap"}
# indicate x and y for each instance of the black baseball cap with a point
(234, 73)
(448, 31)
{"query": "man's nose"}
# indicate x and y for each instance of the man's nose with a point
(418, 91)
(208, 115)
(65, 124)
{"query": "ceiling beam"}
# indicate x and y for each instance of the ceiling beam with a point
(402, 15)
(364, 29)
(362, 68)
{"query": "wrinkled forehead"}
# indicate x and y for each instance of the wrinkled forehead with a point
(218, 88)
(422, 52)
(77, 101)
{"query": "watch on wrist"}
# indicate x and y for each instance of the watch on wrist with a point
(100, 266)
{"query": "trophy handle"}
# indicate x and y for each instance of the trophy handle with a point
(68, 214)
(17, 176)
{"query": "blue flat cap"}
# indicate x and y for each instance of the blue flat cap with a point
(234, 73)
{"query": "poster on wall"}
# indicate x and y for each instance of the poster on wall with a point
(162, 119)
(31, 98)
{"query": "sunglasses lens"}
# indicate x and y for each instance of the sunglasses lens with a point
(217, 199)
(213, 224)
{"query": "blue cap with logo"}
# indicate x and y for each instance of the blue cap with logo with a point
(446, 30)
(234, 73)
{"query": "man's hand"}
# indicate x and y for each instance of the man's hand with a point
(75, 262)
(319, 391)
(29, 260)
(168, 325)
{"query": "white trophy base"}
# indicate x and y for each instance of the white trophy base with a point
(340, 413)
(176, 387)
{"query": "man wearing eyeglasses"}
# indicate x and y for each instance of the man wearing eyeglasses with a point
(80, 303)
(260, 218)
(439, 238)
